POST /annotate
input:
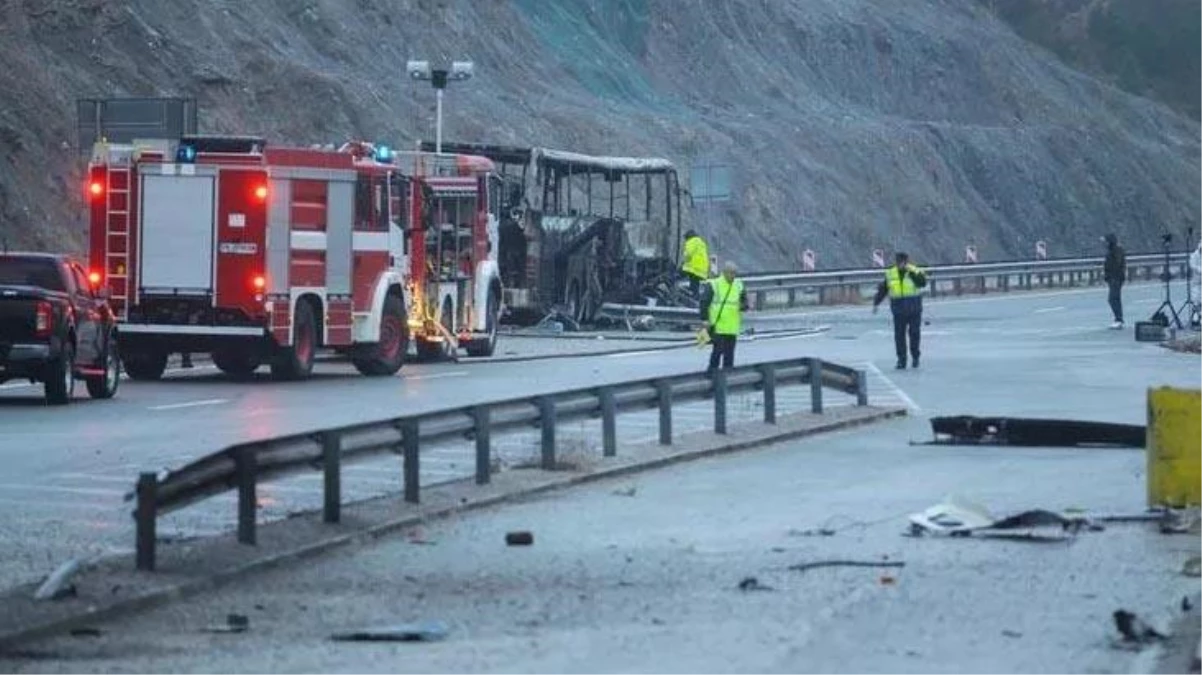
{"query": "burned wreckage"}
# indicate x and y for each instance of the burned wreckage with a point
(578, 231)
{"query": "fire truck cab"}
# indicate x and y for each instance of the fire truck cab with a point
(264, 255)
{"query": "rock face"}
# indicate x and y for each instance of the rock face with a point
(845, 125)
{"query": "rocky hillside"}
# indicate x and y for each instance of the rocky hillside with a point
(1147, 47)
(848, 124)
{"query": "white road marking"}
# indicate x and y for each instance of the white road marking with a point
(190, 404)
(621, 355)
(894, 388)
(1045, 310)
(100, 478)
(106, 492)
(435, 376)
(169, 371)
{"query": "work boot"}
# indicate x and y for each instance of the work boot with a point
(901, 364)
(914, 361)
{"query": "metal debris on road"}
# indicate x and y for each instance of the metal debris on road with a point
(626, 492)
(427, 631)
(234, 623)
(1029, 432)
(85, 631)
(753, 584)
(820, 532)
(1134, 629)
(519, 538)
(58, 585)
(803, 567)
(1192, 567)
(958, 517)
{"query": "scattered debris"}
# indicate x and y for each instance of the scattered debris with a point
(969, 430)
(1135, 629)
(1176, 522)
(803, 567)
(58, 585)
(627, 492)
(234, 623)
(1192, 567)
(519, 538)
(1012, 633)
(753, 584)
(85, 631)
(888, 580)
(428, 631)
(1186, 605)
(820, 532)
(958, 517)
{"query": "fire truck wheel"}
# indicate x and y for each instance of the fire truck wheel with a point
(145, 365)
(235, 364)
(486, 346)
(386, 356)
(296, 362)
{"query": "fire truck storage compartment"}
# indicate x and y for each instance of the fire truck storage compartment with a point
(176, 239)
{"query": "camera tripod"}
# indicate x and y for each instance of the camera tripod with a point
(1189, 309)
(1160, 315)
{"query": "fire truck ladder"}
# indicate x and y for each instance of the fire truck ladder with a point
(117, 234)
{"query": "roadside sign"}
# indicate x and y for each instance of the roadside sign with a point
(807, 260)
(970, 254)
(1041, 250)
(878, 257)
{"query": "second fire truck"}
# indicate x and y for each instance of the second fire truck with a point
(264, 255)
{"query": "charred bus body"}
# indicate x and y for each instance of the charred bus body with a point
(579, 230)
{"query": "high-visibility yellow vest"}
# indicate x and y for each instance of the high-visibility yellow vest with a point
(725, 315)
(899, 287)
(696, 258)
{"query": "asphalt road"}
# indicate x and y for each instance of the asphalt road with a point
(647, 580)
(66, 470)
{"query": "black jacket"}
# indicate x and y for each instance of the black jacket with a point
(1115, 267)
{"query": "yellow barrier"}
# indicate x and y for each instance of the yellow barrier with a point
(1174, 447)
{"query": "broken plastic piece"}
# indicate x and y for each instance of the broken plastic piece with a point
(426, 631)
(519, 538)
(969, 430)
(58, 584)
(958, 517)
(802, 567)
(234, 623)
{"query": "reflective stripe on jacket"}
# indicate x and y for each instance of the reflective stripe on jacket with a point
(725, 314)
(696, 258)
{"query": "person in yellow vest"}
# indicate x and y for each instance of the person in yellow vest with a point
(902, 284)
(723, 302)
(695, 262)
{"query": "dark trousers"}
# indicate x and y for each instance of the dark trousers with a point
(1116, 299)
(722, 348)
(694, 283)
(907, 324)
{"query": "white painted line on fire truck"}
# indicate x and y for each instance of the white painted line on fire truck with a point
(190, 404)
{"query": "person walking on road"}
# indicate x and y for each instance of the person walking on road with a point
(902, 284)
(1114, 273)
(723, 302)
(695, 262)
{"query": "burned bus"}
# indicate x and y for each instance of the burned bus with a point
(578, 230)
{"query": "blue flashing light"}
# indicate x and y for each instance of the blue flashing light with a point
(185, 154)
(384, 154)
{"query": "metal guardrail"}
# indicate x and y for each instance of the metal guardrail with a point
(240, 467)
(853, 285)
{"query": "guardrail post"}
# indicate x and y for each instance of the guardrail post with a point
(816, 386)
(720, 391)
(410, 448)
(609, 427)
(792, 297)
(664, 390)
(331, 459)
(244, 471)
(481, 420)
(769, 375)
(546, 418)
(861, 387)
(759, 301)
(144, 516)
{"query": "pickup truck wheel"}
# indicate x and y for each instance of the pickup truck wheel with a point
(60, 377)
(386, 356)
(105, 386)
(145, 365)
(296, 362)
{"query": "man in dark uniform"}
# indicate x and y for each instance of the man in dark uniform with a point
(902, 283)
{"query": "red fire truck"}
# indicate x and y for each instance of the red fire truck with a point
(264, 255)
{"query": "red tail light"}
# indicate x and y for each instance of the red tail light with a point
(95, 188)
(45, 320)
(261, 193)
(94, 279)
(259, 282)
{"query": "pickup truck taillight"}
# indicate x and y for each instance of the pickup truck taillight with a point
(44, 323)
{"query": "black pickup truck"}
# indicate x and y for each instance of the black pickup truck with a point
(56, 327)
